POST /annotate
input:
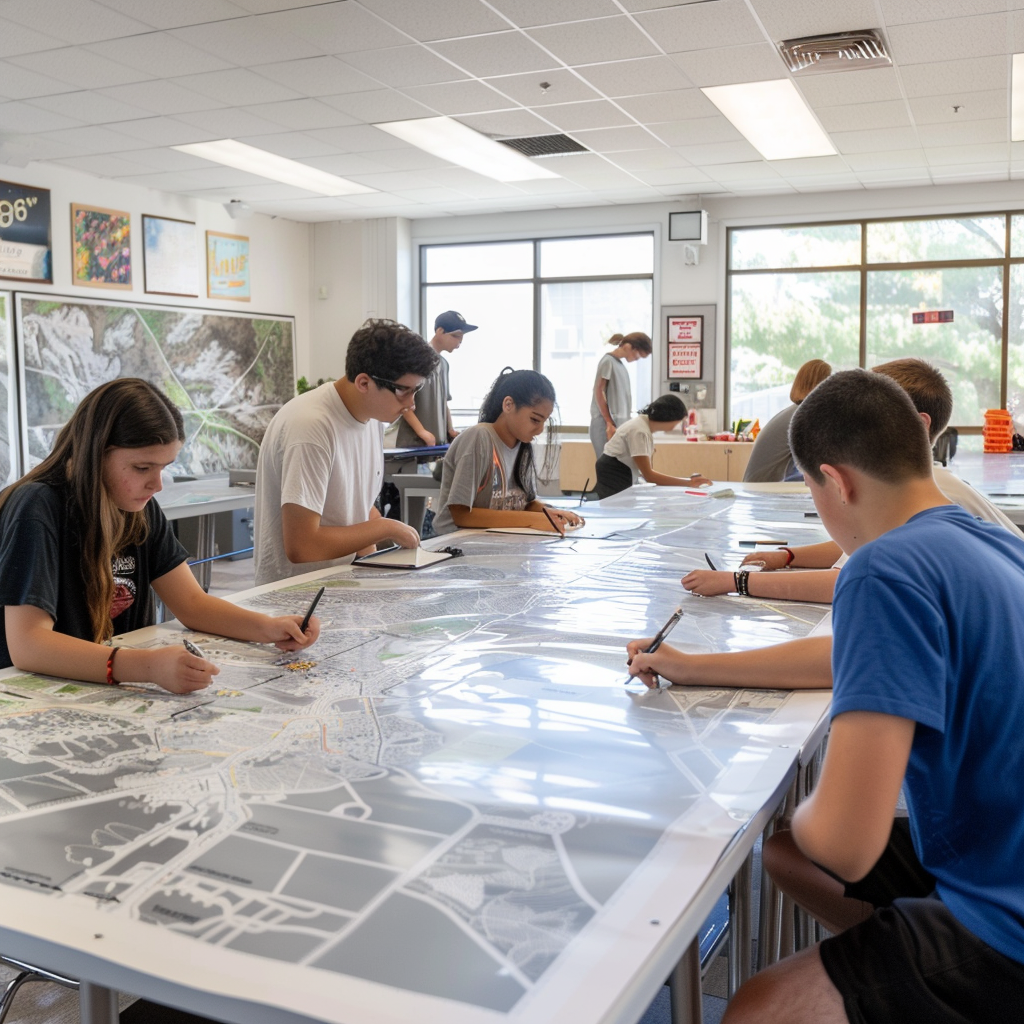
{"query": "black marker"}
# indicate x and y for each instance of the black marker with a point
(560, 530)
(711, 565)
(583, 495)
(192, 649)
(660, 637)
(311, 609)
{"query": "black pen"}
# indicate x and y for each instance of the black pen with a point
(311, 609)
(192, 649)
(560, 530)
(711, 565)
(583, 496)
(659, 639)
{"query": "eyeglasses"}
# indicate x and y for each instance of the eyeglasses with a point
(398, 390)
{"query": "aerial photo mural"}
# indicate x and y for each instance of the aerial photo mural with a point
(228, 373)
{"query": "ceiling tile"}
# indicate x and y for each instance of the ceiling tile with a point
(20, 150)
(901, 12)
(318, 76)
(793, 19)
(973, 106)
(89, 107)
(509, 123)
(942, 156)
(754, 170)
(296, 145)
(673, 176)
(378, 105)
(702, 26)
(468, 183)
(248, 42)
(230, 122)
(357, 138)
(465, 97)
(94, 140)
(635, 77)
(617, 140)
(832, 90)
(551, 186)
(812, 166)
(731, 64)
(503, 53)
(77, 66)
(165, 131)
(107, 165)
(720, 153)
(589, 114)
(587, 42)
(895, 177)
(21, 117)
(825, 182)
(563, 87)
(392, 181)
(166, 159)
(405, 65)
(696, 131)
(527, 13)
(437, 19)
(650, 159)
(301, 115)
(964, 133)
(162, 14)
(650, 5)
(896, 158)
(857, 116)
(971, 172)
(81, 22)
(161, 97)
(948, 76)
(678, 105)
(210, 177)
(405, 158)
(336, 28)
(236, 87)
(347, 164)
(159, 53)
(953, 39)
(270, 191)
(16, 38)
(875, 141)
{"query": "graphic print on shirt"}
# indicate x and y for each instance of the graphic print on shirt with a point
(508, 499)
(125, 590)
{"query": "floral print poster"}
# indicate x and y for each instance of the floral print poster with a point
(101, 247)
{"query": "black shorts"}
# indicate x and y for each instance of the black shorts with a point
(914, 963)
(612, 476)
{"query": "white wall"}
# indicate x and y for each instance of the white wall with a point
(279, 250)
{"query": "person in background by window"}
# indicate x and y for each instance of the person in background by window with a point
(627, 455)
(612, 403)
(770, 459)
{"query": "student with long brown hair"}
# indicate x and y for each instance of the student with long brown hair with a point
(81, 542)
(612, 403)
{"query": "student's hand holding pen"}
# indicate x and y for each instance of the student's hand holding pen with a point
(666, 661)
(706, 583)
(565, 516)
(767, 560)
(286, 634)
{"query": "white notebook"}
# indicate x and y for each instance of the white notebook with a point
(403, 558)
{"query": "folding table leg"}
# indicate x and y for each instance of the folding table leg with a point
(685, 989)
(97, 1005)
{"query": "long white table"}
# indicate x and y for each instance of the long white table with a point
(999, 476)
(451, 809)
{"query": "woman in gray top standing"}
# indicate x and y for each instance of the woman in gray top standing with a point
(612, 403)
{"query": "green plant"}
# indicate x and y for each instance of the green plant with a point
(302, 385)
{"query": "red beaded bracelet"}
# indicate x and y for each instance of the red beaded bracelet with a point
(111, 681)
(789, 556)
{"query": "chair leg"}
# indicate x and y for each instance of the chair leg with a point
(27, 973)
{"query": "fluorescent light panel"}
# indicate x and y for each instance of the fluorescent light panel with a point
(270, 165)
(458, 144)
(773, 118)
(1017, 99)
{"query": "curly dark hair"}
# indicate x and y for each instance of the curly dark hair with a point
(384, 348)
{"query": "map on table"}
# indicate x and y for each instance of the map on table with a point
(454, 774)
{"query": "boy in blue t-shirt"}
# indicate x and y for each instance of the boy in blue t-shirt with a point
(928, 670)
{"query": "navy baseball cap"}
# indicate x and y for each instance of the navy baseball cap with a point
(450, 322)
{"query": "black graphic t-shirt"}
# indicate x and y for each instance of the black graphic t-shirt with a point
(41, 564)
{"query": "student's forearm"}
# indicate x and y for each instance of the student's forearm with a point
(484, 518)
(652, 476)
(414, 422)
(327, 542)
(602, 402)
(812, 585)
(815, 556)
(797, 665)
(207, 614)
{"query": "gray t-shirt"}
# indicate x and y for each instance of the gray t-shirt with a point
(431, 409)
(478, 473)
(618, 395)
(770, 459)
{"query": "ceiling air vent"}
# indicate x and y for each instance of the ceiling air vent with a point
(842, 51)
(544, 145)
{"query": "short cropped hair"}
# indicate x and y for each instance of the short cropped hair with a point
(927, 388)
(864, 420)
(383, 348)
(807, 378)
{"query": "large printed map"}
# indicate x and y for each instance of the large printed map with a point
(455, 773)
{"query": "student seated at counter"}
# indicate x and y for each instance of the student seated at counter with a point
(82, 541)
(321, 462)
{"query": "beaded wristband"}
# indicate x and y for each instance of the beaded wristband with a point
(742, 581)
(111, 681)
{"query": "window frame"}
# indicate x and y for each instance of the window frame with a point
(863, 268)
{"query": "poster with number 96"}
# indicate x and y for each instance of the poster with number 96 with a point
(25, 251)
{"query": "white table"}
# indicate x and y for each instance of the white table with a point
(1000, 477)
(511, 834)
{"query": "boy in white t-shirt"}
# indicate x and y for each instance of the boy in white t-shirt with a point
(321, 463)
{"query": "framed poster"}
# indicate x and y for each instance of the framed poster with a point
(10, 443)
(169, 261)
(227, 266)
(228, 371)
(25, 252)
(685, 344)
(101, 247)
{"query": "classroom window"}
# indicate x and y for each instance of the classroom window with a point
(848, 292)
(544, 304)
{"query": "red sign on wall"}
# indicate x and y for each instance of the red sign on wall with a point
(933, 316)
